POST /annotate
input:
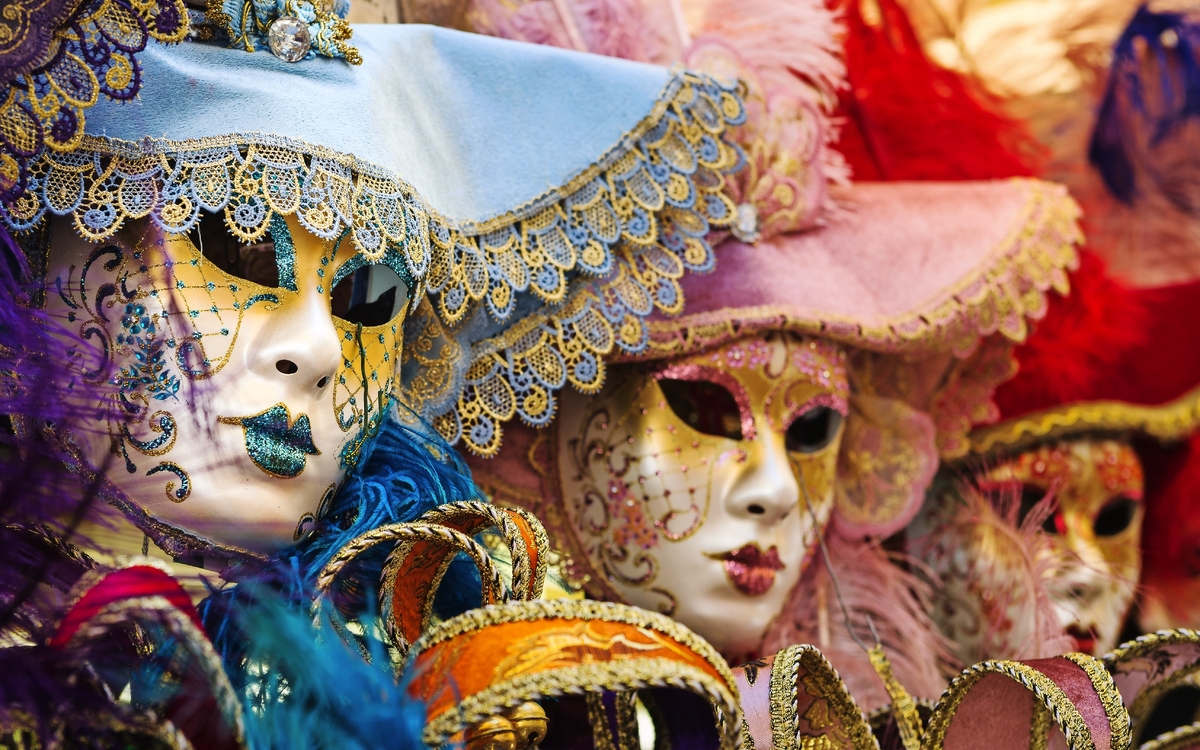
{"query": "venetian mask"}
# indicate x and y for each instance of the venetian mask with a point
(1095, 531)
(238, 380)
(685, 484)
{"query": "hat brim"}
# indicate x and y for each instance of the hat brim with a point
(901, 267)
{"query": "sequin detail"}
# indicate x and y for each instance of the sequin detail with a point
(174, 494)
(275, 444)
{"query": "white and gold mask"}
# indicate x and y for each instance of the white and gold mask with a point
(239, 380)
(1094, 532)
(683, 483)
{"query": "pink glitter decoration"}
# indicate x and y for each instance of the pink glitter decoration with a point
(632, 528)
(721, 378)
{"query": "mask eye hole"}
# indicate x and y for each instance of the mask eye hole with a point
(253, 263)
(813, 430)
(1030, 497)
(372, 296)
(1115, 517)
(704, 406)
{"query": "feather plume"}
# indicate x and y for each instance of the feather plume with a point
(897, 602)
(907, 118)
(991, 599)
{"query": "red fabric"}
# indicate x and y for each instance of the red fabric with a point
(120, 585)
(1079, 344)
(1171, 528)
(906, 118)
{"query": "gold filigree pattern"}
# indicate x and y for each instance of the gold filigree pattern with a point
(833, 721)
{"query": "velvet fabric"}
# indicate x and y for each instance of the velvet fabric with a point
(896, 249)
(477, 125)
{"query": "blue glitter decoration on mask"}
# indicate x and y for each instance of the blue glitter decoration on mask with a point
(185, 482)
(285, 252)
(274, 443)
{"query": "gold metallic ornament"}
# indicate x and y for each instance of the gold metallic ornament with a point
(492, 733)
(530, 723)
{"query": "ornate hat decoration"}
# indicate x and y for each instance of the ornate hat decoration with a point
(58, 59)
(525, 259)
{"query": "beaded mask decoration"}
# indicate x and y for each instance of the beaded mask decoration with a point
(682, 484)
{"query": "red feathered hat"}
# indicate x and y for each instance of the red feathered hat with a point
(1106, 358)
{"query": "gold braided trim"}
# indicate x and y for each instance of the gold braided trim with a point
(1182, 738)
(567, 609)
(1066, 716)
(479, 515)
(1119, 724)
(583, 678)
(1173, 420)
(784, 694)
(1144, 644)
(1008, 287)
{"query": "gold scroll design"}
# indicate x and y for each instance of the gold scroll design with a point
(563, 646)
(1004, 291)
(811, 709)
(1047, 698)
(1173, 420)
(1151, 667)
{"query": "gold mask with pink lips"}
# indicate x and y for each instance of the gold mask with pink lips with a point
(1095, 530)
(682, 483)
(234, 375)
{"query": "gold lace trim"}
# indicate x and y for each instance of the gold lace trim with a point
(1170, 421)
(1144, 644)
(1006, 289)
(784, 694)
(1119, 724)
(1182, 738)
(599, 254)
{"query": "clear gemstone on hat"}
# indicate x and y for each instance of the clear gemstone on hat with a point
(289, 38)
(745, 226)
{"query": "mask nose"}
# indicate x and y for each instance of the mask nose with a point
(298, 350)
(766, 488)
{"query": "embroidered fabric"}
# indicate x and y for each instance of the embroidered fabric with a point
(247, 23)
(53, 72)
(627, 228)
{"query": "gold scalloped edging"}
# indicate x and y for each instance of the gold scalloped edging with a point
(1008, 287)
(1173, 420)
(631, 225)
(1049, 694)
(1119, 725)
(784, 693)
(1182, 738)
(580, 678)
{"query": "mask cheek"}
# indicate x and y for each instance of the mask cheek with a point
(887, 459)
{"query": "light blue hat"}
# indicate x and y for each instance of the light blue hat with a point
(543, 202)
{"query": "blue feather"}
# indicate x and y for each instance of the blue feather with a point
(1170, 41)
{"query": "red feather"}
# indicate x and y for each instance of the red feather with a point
(906, 118)
(1079, 345)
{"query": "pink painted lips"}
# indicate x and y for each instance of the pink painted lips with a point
(749, 569)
